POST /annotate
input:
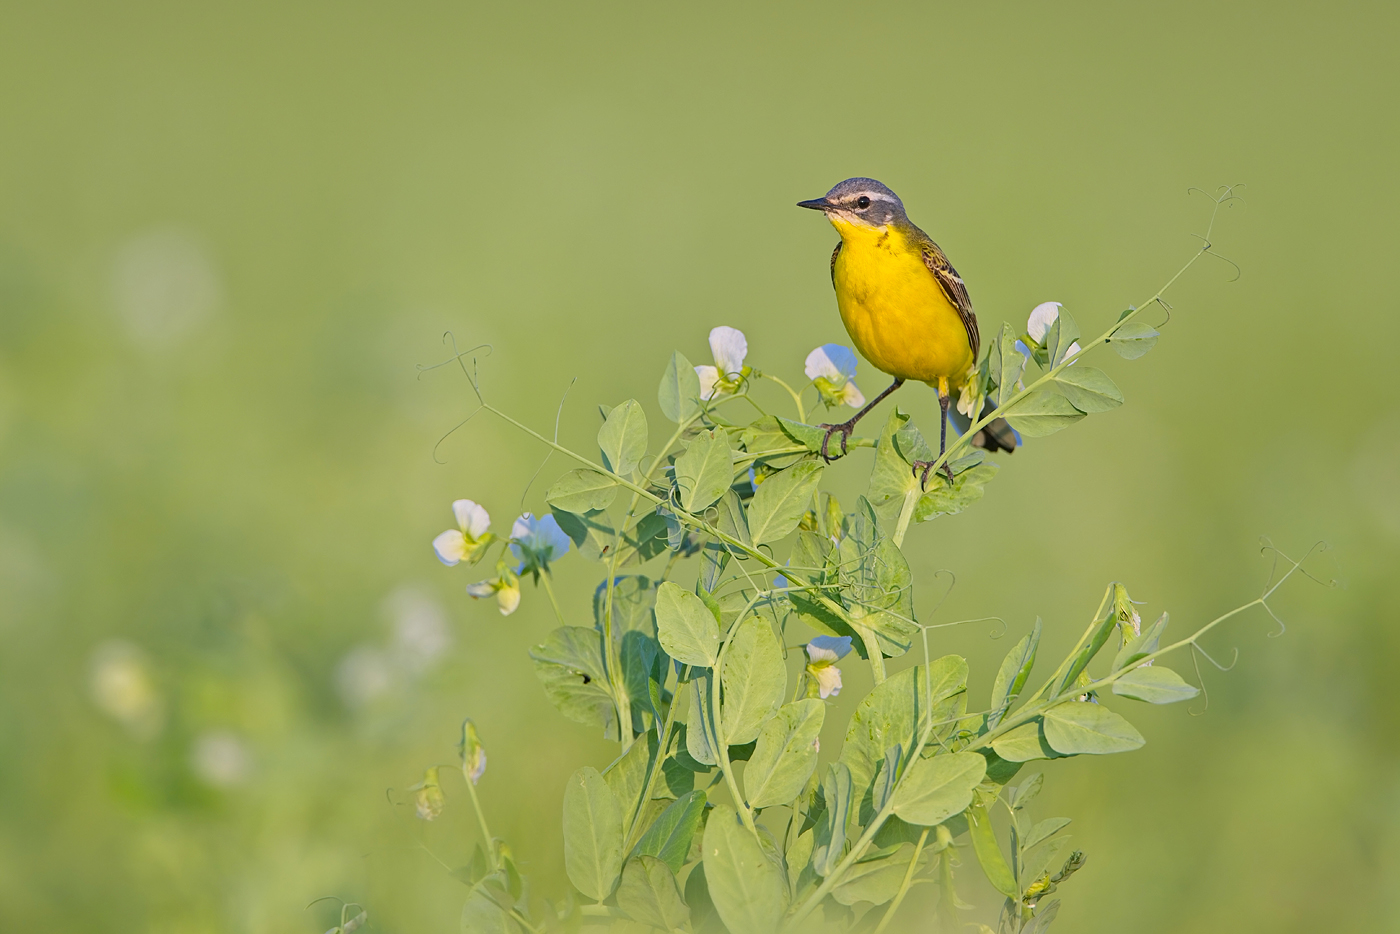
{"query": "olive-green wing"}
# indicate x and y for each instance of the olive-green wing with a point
(835, 253)
(954, 289)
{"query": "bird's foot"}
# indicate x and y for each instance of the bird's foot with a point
(922, 468)
(844, 429)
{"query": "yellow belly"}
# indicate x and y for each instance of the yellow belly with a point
(895, 311)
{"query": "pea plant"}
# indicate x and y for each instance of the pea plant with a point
(734, 588)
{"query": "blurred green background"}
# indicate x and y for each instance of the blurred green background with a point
(228, 233)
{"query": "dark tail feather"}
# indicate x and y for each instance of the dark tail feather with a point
(994, 436)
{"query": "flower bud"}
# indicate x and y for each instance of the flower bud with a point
(428, 800)
(472, 752)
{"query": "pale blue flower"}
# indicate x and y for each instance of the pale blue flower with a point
(536, 542)
(824, 652)
(832, 368)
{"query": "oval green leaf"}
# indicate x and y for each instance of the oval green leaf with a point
(786, 754)
(685, 626)
(679, 393)
(623, 438)
(1041, 413)
(934, 789)
(1089, 389)
(780, 501)
(704, 470)
(747, 888)
(754, 681)
(582, 491)
(1076, 727)
(592, 834)
(1155, 685)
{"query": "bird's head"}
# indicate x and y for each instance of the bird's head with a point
(858, 202)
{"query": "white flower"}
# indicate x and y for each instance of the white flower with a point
(729, 348)
(832, 368)
(1038, 324)
(537, 542)
(824, 652)
(505, 588)
(968, 400)
(470, 536)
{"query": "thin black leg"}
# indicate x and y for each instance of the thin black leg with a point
(845, 428)
(923, 467)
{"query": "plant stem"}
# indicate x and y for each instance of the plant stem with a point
(490, 841)
(553, 600)
(663, 746)
(906, 512)
(903, 886)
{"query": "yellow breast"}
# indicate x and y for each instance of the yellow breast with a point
(895, 310)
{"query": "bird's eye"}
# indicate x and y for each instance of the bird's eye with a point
(862, 202)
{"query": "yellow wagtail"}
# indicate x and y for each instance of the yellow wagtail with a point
(903, 304)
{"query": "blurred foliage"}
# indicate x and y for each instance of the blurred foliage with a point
(227, 235)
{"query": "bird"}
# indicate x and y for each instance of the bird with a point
(904, 305)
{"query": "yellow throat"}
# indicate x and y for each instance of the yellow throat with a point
(894, 308)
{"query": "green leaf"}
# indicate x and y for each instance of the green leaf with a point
(934, 789)
(623, 438)
(1133, 339)
(592, 834)
(1063, 332)
(1011, 677)
(1044, 830)
(892, 476)
(949, 499)
(669, 838)
(1005, 364)
(484, 913)
(1087, 653)
(1089, 389)
(1022, 794)
(893, 712)
(780, 501)
(786, 754)
(984, 842)
(633, 596)
(1044, 917)
(875, 880)
(677, 777)
(838, 793)
(1024, 743)
(876, 585)
(1040, 857)
(595, 535)
(1073, 728)
(1140, 646)
(704, 470)
(569, 663)
(628, 773)
(649, 894)
(810, 436)
(697, 717)
(1155, 685)
(679, 394)
(686, 628)
(746, 886)
(1041, 413)
(754, 681)
(582, 491)
(771, 444)
(731, 520)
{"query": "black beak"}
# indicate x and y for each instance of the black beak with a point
(817, 204)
